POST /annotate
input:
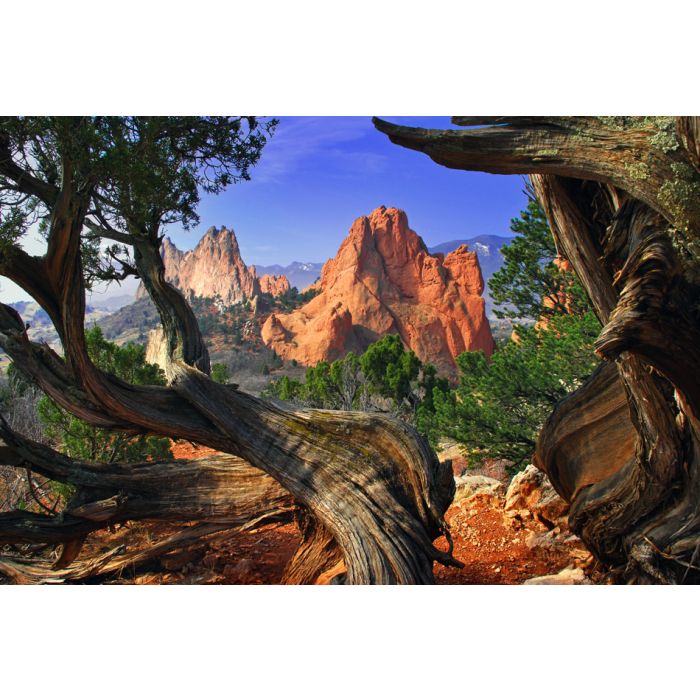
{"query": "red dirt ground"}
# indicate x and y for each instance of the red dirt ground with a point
(491, 552)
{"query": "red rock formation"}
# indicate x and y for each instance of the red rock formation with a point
(215, 268)
(383, 280)
(274, 284)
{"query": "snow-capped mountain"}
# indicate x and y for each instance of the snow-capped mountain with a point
(299, 274)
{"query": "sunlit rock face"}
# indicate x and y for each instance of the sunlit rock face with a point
(215, 268)
(383, 280)
(274, 284)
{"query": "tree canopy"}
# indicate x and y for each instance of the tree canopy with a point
(133, 175)
(499, 407)
(385, 374)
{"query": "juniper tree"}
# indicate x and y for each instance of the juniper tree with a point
(112, 184)
(622, 196)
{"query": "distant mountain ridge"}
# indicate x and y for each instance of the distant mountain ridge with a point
(112, 303)
(299, 274)
(40, 326)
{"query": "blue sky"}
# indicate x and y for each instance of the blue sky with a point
(318, 174)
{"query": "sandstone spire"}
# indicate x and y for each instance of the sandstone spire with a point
(215, 268)
(383, 280)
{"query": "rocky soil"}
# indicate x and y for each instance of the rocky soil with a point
(503, 533)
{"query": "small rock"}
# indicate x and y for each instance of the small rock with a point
(567, 577)
(558, 543)
(239, 570)
(470, 487)
(532, 500)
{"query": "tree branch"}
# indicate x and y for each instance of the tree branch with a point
(25, 181)
(625, 152)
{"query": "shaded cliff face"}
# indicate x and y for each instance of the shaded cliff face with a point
(383, 280)
(215, 268)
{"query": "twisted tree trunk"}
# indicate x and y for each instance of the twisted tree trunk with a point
(623, 198)
(371, 490)
(223, 492)
(372, 484)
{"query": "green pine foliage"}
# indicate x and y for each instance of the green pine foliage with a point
(500, 406)
(285, 389)
(529, 285)
(78, 439)
(335, 385)
(220, 373)
(386, 373)
(289, 300)
(389, 369)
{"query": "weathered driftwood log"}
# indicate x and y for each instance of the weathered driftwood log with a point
(370, 487)
(623, 198)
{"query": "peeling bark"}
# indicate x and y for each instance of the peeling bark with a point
(623, 199)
